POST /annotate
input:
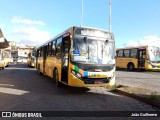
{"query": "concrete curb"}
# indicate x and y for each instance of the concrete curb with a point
(143, 99)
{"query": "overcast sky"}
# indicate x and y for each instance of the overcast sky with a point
(134, 22)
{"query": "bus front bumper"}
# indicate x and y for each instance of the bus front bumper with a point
(76, 82)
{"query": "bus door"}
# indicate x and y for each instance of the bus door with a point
(141, 58)
(44, 58)
(65, 58)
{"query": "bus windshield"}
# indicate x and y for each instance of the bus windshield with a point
(93, 51)
(154, 53)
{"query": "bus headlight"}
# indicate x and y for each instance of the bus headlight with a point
(76, 74)
(73, 72)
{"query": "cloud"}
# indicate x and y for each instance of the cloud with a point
(20, 20)
(1, 25)
(31, 35)
(147, 40)
(132, 43)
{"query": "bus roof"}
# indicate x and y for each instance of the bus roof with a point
(65, 32)
(145, 46)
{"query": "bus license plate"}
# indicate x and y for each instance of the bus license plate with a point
(97, 82)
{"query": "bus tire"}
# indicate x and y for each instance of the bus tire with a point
(39, 72)
(131, 66)
(3, 67)
(56, 78)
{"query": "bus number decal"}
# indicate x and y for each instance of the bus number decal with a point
(92, 75)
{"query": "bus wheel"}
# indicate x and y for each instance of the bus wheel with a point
(56, 78)
(40, 73)
(3, 67)
(131, 66)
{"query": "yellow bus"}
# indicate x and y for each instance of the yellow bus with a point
(79, 57)
(31, 60)
(140, 57)
(4, 58)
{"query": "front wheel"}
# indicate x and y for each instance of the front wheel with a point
(56, 79)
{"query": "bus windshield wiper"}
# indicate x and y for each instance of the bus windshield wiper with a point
(102, 50)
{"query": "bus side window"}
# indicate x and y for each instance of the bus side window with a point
(126, 53)
(41, 52)
(53, 48)
(120, 53)
(134, 53)
(49, 49)
(144, 54)
(44, 51)
(59, 47)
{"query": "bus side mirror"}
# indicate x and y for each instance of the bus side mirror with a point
(106, 41)
(85, 39)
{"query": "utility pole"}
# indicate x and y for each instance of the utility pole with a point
(82, 13)
(110, 16)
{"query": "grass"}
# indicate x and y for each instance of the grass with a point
(111, 87)
(115, 87)
(154, 96)
(148, 94)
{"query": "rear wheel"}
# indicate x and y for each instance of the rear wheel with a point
(39, 72)
(131, 66)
